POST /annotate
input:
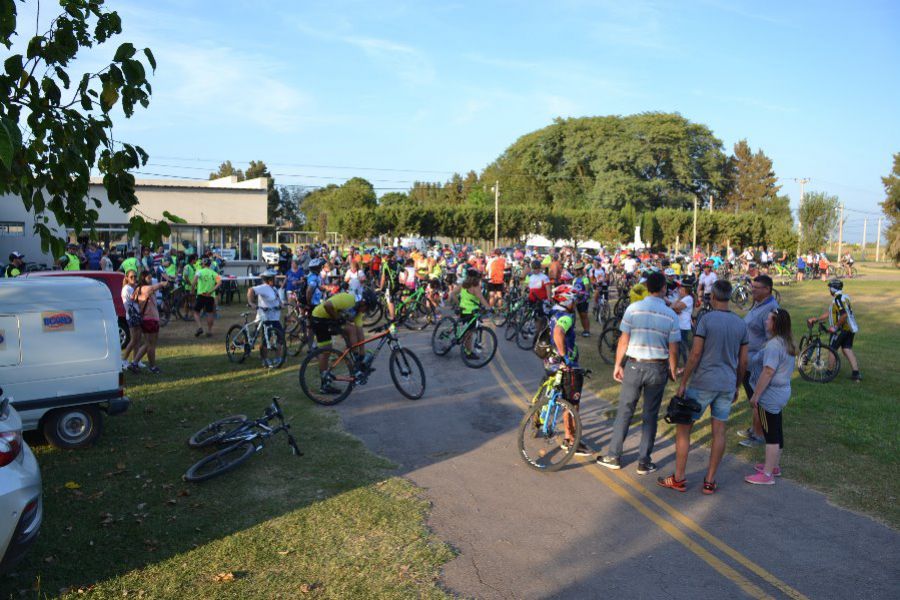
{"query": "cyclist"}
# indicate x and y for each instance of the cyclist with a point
(16, 265)
(187, 279)
(206, 283)
(343, 314)
(70, 261)
(582, 286)
(495, 268)
(314, 282)
(538, 291)
(847, 263)
(706, 281)
(841, 325)
(470, 302)
(564, 355)
(390, 281)
(266, 300)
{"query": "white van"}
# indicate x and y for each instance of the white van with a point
(59, 356)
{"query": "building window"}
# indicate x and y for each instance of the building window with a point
(12, 229)
(249, 249)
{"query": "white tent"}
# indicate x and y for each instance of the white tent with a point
(539, 241)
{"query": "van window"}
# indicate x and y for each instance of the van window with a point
(60, 337)
(10, 353)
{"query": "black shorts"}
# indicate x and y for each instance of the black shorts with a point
(324, 329)
(572, 382)
(495, 287)
(205, 303)
(771, 426)
(582, 307)
(842, 339)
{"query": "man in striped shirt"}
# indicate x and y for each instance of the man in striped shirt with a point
(646, 357)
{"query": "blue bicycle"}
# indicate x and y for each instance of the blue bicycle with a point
(542, 438)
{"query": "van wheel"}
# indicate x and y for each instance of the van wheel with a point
(73, 427)
(124, 333)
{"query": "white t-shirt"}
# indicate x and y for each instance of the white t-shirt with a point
(537, 281)
(268, 302)
(354, 281)
(629, 264)
(684, 317)
(106, 264)
(127, 293)
(707, 280)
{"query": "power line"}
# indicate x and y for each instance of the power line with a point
(305, 166)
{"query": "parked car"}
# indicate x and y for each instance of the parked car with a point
(114, 281)
(21, 504)
(270, 254)
(59, 359)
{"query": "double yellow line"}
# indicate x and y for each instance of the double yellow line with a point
(628, 495)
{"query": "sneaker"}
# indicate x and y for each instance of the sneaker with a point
(610, 462)
(585, 334)
(746, 433)
(580, 450)
(199, 332)
(776, 472)
(155, 370)
(645, 467)
(672, 483)
(134, 368)
(752, 441)
(328, 389)
(142, 364)
(125, 364)
(760, 479)
(856, 377)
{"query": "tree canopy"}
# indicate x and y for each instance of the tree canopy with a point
(752, 183)
(818, 218)
(891, 208)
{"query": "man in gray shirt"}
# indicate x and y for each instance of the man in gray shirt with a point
(715, 370)
(763, 304)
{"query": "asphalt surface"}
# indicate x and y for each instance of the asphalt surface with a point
(588, 532)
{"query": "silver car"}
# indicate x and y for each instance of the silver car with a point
(21, 504)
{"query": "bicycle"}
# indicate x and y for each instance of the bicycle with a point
(527, 327)
(608, 342)
(416, 312)
(541, 433)
(345, 371)
(241, 339)
(817, 362)
(601, 307)
(450, 331)
(238, 438)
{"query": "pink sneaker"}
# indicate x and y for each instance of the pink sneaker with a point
(776, 472)
(760, 479)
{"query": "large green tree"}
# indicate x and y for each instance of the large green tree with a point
(323, 206)
(55, 123)
(818, 218)
(891, 208)
(752, 183)
(226, 169)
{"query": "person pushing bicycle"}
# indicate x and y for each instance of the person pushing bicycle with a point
(841, 325)
(265, 299)
(342, 313)
(471, 300)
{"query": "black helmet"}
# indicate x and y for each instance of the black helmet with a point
(835, 285)
(369, 298)
(536, 264)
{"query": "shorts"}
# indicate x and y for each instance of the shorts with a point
(150, 326)
(572, 382)
(205, 303)
(842, 339)
(719, 403)
(771, 426)
(324, 329)
(581, 307)
(495, 287)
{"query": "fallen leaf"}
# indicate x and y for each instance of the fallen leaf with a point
(183, 493)
(71, 485)
(284, 552)
(306, 588)
(228, 576)
(167, 486)
(171, 502)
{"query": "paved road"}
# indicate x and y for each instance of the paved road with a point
(586, 532)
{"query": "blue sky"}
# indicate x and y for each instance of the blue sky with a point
(438, 87)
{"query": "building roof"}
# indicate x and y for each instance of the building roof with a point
(230, 183)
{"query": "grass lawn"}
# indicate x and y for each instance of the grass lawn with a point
(330, 524)
(840, 437)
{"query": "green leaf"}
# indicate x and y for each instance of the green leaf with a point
(109, 96)
(7, 20)
(150, 59)
(10, 141)
(173, 218)
(63, 76)
(124, 52)
(134, 71)
(14, 66)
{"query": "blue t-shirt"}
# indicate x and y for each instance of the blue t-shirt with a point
(292, 279)
(717, 261)
(93, 259)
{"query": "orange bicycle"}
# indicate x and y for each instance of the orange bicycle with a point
(345, 369)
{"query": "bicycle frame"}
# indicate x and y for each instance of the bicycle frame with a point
(386, 337)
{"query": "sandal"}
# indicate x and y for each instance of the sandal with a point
(709, 487)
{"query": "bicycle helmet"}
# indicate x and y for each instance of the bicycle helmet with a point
(536, 264)
(835, 285)
(708, 264)
(368, 297)
(268, 274)
(563, 294)
(15, 255)
(316, 264)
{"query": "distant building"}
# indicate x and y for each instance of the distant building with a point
(225, 214)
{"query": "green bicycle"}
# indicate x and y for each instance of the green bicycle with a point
(451, 331)
(416, 312)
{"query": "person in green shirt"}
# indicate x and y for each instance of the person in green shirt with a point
(205, 283)
(130, 263)
(471, 300)
(70, 261)
(16, 265)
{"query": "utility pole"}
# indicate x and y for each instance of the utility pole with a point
(863, 247)
(802, 183)
(496, 214)
(878, 242)
(694, 247)
(710, 203)
(841, 233)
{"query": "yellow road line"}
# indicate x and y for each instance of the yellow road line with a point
(678, 515)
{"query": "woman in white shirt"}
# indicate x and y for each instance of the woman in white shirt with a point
(354, 277)
(133, 316)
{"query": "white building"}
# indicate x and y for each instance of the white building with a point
(225, 214)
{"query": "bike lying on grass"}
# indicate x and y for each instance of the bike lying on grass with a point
(541, 437)
(343, 369)
(238, 439)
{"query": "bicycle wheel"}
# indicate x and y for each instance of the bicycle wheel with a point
(802, 344)
(165, 311)
(442, 338)
(417, 317)
(499, 315)
(819, 363)
(512, 325)
(407, 373)
(740, 296)
(220, 461)
(298, 339)
(854, 272)
(526, 332)
(606, 345)
(237, 344)
(373, 315)
(328, 386)
(484, 346)
(216, 431)
(777, 295)
(542, 433)
(272, 348)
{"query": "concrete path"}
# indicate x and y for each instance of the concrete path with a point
(587, 532)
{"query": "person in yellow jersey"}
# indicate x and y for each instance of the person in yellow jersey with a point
(70, 261)
(342, 314)
(206, 282)
(471, 301)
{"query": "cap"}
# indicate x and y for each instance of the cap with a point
(14, 255)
